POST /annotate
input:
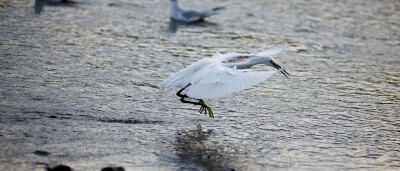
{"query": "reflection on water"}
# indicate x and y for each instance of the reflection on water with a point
(81, 84)
(195, 152)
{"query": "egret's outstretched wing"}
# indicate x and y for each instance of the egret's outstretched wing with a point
(215, 81)
(182, 78)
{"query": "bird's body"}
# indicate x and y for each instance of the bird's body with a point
(189, 16)
(216, 77)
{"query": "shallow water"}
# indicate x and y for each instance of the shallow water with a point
(80, 81)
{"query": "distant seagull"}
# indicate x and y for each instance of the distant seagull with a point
(189, 16)
(216, 77)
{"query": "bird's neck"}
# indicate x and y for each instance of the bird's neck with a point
(245, 65)
(175, 6)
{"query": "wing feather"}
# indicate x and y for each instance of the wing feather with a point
(182, 78)
(218, 81)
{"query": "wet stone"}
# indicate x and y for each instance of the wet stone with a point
(113, 169)
(41, 153)
(58, 167)
(112, 4)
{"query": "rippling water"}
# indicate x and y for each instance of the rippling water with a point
(80, 81)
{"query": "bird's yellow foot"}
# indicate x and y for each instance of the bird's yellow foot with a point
(205, 108)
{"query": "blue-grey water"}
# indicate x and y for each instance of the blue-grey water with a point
(80, 81)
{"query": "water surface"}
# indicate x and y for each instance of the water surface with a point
(80, 81)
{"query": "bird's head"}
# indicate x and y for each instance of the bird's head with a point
(271, 62)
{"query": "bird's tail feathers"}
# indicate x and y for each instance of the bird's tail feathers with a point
(218, 8)
(213, 11)
(210, 13)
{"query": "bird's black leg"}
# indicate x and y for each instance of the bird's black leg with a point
(180, 91)
(204, 107)
(183, 96)
(186, 101)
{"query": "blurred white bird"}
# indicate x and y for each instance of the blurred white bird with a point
(189, 16)
(216, 77)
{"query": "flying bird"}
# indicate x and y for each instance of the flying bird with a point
(190, 16)
(221, 75)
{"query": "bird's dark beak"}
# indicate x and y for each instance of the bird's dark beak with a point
(276, 66)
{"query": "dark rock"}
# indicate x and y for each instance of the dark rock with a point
(58, 167)
(52, 116)
(41, 153)
(112, 4)
(113, 169)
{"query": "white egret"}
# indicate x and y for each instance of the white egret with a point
(189, 16)
(216, 77)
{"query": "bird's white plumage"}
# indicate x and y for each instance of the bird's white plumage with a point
(223, 82)
(209, 78)
(182, 78)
